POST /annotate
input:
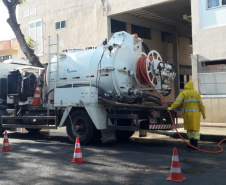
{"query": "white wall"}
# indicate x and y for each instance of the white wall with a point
(85, 23)
(208, 43)
(211, 17)
(120, 6)
(208, 34)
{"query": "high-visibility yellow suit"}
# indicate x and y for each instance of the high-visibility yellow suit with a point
(192, 106)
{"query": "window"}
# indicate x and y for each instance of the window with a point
(117, 26)
(166, 37)
(212, 77)
(35, 33)
(183, 80)
(60, 25)
(6, 57)
(29, 11)
(215, 3)
(142, 32)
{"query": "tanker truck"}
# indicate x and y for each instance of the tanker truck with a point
(104, 92)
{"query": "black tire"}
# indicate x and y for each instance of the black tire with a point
(2, 113)
(80, 125)
(33, 130)
(1, 130)
(123, 135)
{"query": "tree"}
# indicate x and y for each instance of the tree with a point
(12, 21)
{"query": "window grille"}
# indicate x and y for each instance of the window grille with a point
(212, 83)
(166, 37)
(35, 33)
(117, 26)
(142, 32)
(29, 11)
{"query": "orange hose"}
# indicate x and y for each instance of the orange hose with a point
(143, 78)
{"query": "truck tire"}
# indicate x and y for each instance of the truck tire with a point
(80, 125)
(1, 130)
(2, 113)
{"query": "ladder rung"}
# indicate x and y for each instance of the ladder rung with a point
(53, 44)
(52, 53)
(53, 71)
(53, 62)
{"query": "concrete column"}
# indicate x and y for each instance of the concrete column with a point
(195, 70)
(176, 64)
(108, 27)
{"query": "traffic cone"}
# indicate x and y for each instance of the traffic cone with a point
(175, 171)
(77, 158)
(36, 99)
(5, 146)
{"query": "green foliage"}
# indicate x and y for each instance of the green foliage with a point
(22, 1)
(31, 43)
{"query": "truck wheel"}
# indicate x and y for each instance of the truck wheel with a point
(123, 135)
(1, 130)
(2, 113)
(80, 125)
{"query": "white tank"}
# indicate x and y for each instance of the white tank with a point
(111, 66)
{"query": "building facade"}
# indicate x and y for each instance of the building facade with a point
(8, 49)
(164, 25)
(209, 55)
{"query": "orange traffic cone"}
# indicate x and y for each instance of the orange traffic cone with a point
(175, 171)
(5, 146)
(77, 158)
(36, 99)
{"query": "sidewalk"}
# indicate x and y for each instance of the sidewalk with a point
(208, 132)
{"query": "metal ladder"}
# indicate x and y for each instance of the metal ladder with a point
(49, 66)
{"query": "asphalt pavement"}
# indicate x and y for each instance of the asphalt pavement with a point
(43, 159)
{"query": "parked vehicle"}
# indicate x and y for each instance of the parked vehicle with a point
(102, 91)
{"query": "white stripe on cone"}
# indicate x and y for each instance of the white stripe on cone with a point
(175, 170)
(175, 158)
(77, 145)
(5, 144)
(37, 95)
(77, 155)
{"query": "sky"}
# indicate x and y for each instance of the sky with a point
(6, 32)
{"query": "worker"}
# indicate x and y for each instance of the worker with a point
(192, 106)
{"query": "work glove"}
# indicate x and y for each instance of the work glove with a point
(204, 117)
(169, 108)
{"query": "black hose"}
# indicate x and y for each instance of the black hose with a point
(146, 48)
(154, 96)
(107, 96)
(131, 106)
(47, 95)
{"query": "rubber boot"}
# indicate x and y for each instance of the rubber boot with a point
(196, 143)
(192, 142)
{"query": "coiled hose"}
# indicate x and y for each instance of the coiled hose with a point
(143, 78)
